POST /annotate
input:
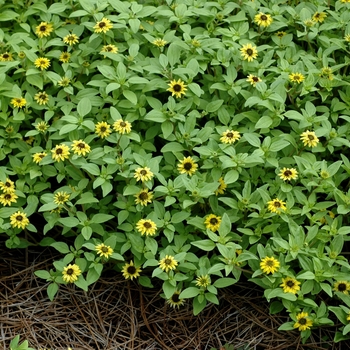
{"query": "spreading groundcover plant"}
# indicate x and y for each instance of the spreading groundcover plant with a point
(191, 142)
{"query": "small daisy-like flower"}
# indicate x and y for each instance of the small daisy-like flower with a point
(43, 29)
(319, 17)
(64, 57)
(345, 1)
(103, 26)
(347, 38)
(6, 57)
(19, 102)
(60, 198)
(42, 98)
(168, 263)
(249, 52)
(296, 77)
(324, 174)
(8, 198)
(287, 174)
(64, 82)
(143, 174)
(29, 140)
(159, 42)
(276, 206)
(143, 197)
(146, 227)
(177, 88)
(303, 322)
(174, 301)
(290, 285)
(110, 48)
(309, 138)
(60, 152)
(269, 265)
(203, 281)
(195, 43)
(222, 187)
(212, 222)
(19, 219)
(131, 271)
(102, 129)
(348, 317)
(42, 63)
(281, 34)
(309, 23)
(41, 126)
(187, 166)
(263, 20)
(8, 186)
(71, 273)
(230, 136)
(122, 127)
(104, 250)
(342, 286)
(253, 79)
(71, 39)
(327, 73)
(80, 147)
(37, 157)
(21, 55)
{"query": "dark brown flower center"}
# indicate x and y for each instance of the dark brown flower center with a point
(302, 321)
(249, 52)
(229, 135)
(42, 28)
(8, 196)
(177, 87)
(341, 287)
(175, 298)
(287, 173)
(255, 79)
(5, 55)
(213, 221)
(143, 196)
(104, 249)
(270, 263)
(167, 261)
(147, 225)
(103, 129)
(81, 145)
(131, 270)
(311, 137)
(42, 96)
(188, 166)
(109, 48)
(18, 100)
(263, 17)
(122, 124)
(290, 284)
(102, 24)
(19, 217)
(143, 172)
(41, 156)
(59, 151)
(7, 184)
(70, 272)
(277, 204)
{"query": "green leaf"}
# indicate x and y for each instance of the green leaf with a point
(189, 292)
(172, 147)
(99, 218)
(69, 221)
(61, 247)
(84, 107)
(307, 275)
(52, 289)
(42, 274)
(8, 15)
(205, 244)
(214, 106)
(224, 282)
(131, 96)
(180, 217)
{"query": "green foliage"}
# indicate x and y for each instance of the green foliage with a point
(197, 143)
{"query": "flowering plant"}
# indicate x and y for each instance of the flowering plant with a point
(196, 143)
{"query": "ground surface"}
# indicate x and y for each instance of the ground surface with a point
(115, 314)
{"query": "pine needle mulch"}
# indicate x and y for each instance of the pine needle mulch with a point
(115, 315)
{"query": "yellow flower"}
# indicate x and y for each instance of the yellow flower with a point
(230, 136)
(6, 57)
(41, 126)
(187, 166)
(130, 271)
(42, 98)
(19, 219)
(71, 39)
(168, 263)
(296, 77)
(143, 197)
(21, 55)
(70, 273)
(64, 82)
(61, 198)
(347, 38)
(212, 222)
(309, 138)
(8, 186)
(29, 140)
(327, 73)
(281, 34)
(104, 250)
(146, 227)
(37, 157)
(290, 285)
(102, 129)
(143, 174)
(177, 88)
(287, 174)
(123, 127)
(159, 42)
(249, 52)
(303, 323)
(64, 57)
(203, 281)
(309, 23)
(222, 187)
(8, 198)
(342, 286)
(109, 48)
(42, 63)
(253, 79)
(60, 152)
(80, 147)
(348, 317)
(276, 206)
(19, 102)
(174, 301)
(103, 26)
(269, 265)
(263, 20)
(319, 17)
(43, 29)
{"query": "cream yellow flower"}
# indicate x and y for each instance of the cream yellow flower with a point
(269, 265)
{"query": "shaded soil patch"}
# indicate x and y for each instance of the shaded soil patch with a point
(115, 314)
